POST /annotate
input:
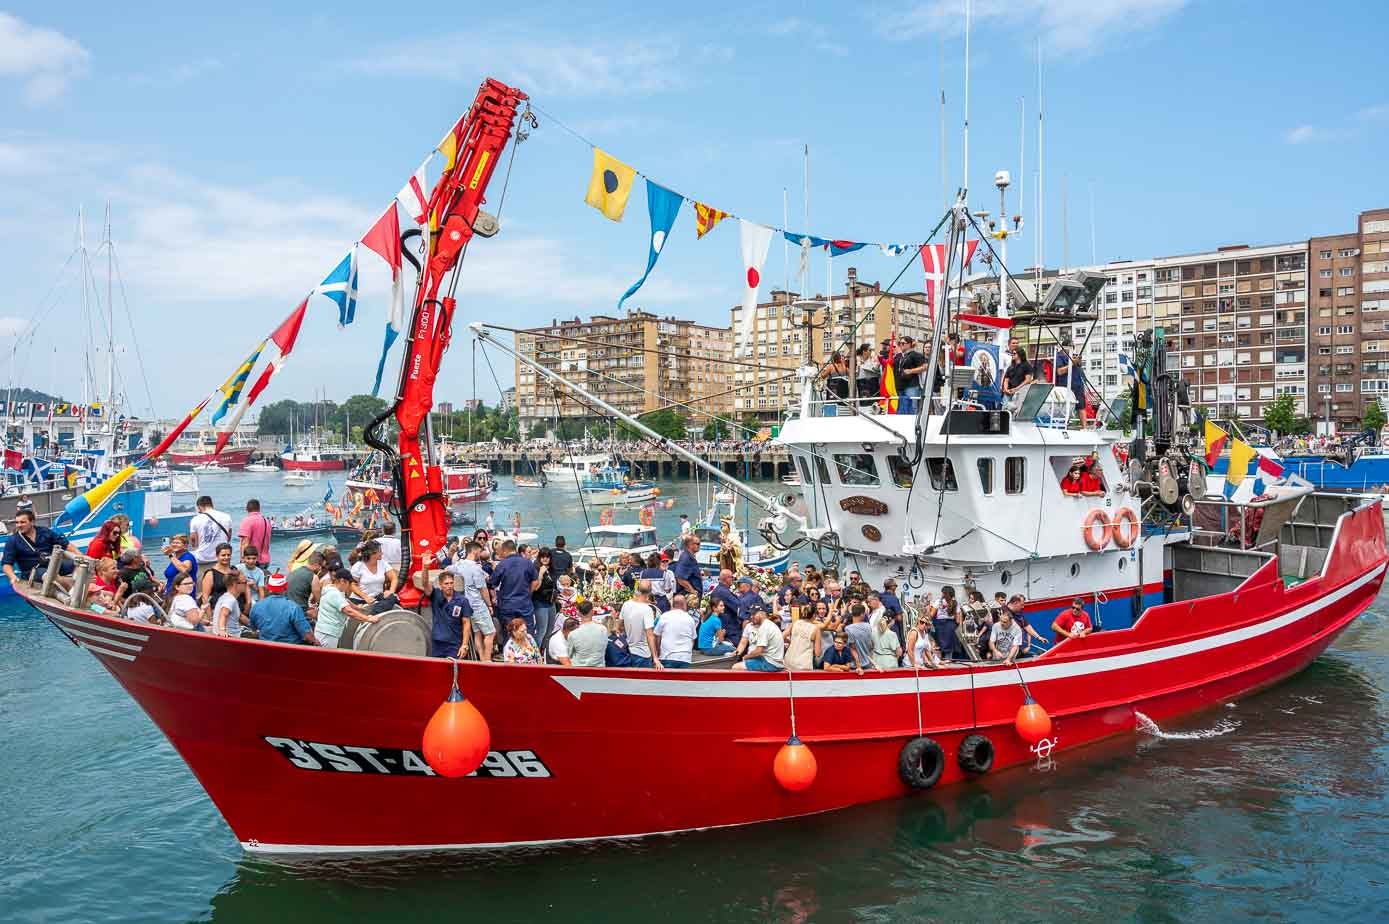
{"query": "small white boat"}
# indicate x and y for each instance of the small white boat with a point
(528, 481)
(262, 467)
(608, 542)
(298, 477)
(638, 492)
(792, 480)
(210, 468)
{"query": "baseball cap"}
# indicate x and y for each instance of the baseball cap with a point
(276, 583)
(745, 580)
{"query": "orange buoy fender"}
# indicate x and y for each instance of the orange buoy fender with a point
(1125, 528)
(647, 517)
(1032, 721)
(794, 767)
(457, 739)
(1097, 518)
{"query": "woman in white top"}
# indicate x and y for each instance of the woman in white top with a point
(184, 611)
(226, 613)
(373, 581)
(921, 651)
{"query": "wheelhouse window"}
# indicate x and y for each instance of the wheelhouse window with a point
(805, 470)
(857, 469)
(901, 471)
(986, 475)
(1014, 474)
(822, 471)
(942, 474)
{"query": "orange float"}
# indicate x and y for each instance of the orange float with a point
(1094, 518)
(794, 767)
(1125, 528)
(457, 738)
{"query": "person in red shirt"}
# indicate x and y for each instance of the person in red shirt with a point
(1071, 484)
(1090, 484)
(1072, 623)
(107, 542)
(254, 533)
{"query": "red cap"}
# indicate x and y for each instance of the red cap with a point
(276, 583)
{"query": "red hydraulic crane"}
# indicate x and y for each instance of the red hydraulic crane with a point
(455, 212)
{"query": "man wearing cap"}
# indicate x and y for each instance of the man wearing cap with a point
(911, 366)
(279, 619)
(748, 597)
(763, 646)
(1072, 623)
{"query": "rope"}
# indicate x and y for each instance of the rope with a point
(791, 694)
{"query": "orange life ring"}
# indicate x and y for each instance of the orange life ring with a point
(1125, 536)
(605, 518)
(1097, 517)
(647, 517)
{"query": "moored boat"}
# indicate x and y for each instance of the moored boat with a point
(231, 457)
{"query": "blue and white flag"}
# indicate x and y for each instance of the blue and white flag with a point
(328, 495)
(893, 250)
(663, 205)
(341, 286)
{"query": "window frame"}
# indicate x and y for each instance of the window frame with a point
(843, 468)
(1008, 465)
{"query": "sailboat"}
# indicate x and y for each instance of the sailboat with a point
(1194, 602)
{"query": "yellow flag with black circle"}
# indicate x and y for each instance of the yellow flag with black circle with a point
(610, 185)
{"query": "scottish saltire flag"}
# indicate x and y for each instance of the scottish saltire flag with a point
(232, 387)
(893, 250)
(664, 206)
(341, 286)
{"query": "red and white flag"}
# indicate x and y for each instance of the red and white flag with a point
(934, 262)
(384, 240)
(414, 198)
(283, 338)
(754, 239)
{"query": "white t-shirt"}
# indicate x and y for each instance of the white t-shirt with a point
(390, 551)
(211, 528)
(769, 635)
(373, 583)
(637, 617)
(233, 607)
(179, 608)
(677, 631)
(471, 580)
(558, 647)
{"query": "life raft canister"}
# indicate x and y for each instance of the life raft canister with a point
(1097, 517)
(921, 763)
(1125, 528)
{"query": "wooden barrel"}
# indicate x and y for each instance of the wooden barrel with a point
(398, 632)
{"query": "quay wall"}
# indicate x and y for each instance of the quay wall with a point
(772, 462)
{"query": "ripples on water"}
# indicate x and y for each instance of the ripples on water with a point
(1283, 814)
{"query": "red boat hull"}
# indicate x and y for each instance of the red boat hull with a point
(601, 753)
(315, 465)
(234, 459)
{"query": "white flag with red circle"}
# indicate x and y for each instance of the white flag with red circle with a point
(754, 239)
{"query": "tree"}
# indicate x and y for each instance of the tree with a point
(668, 422)
(360, 410)
(716, 430)
(1281, 416)
(274, 417)
(1374, 418)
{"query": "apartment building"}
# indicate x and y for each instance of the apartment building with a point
(1348, 343)
(637, 363)
(863, 313)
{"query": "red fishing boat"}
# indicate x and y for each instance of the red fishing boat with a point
(233, 458)
(312, 459)
(466, 483)
(1196, 600)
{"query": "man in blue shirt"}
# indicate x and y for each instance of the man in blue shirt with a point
(689, 578)
(790, 591)
(514, 579)
(276, 618)
(747, 598)
(723, 590)
(30, 547)
(452, 624)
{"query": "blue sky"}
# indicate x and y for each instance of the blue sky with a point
(243, 150)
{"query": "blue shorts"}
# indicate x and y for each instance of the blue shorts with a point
(760, 664)
(637, 661)
(674, 664)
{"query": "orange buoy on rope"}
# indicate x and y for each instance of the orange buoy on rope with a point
(794, 767)
(1032, 721)
(646, 517)
(1125, 528)
(457, 739)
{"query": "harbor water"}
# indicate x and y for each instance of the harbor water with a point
(1275, 807)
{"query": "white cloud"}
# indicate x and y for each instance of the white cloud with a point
(1304, 134)
(1064, 25)
(812, 34)
(554, 67)
(43, 60)
(12, 326)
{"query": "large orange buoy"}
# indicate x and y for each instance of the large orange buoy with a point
(1032, 721)
(794, 766)
(457, 739)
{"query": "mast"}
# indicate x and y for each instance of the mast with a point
(968, 9)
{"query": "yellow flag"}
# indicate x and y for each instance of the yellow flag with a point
(1241, 454)
(706, 216)
(610, 185)
(449, 145)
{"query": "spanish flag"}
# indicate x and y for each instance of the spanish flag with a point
(610, 185)
(1241, 454)
(1216, 439)
(706, 217)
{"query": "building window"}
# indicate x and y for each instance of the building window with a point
(1347, 271)
(1345, 291)
(1324, 331)
(857, 469)
(986, 475)
(1343, 387)
(1325, 274)
(1326, 255)
(1014, 474)
(1345, 328)
(1323, 389)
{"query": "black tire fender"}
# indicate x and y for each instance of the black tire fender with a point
(921, 763)
(976, 754)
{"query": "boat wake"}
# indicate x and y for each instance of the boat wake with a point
(1223, 727)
